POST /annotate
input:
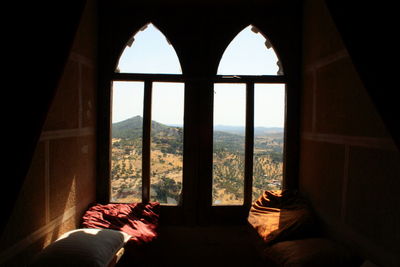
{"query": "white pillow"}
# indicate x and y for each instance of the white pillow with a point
(83, 247)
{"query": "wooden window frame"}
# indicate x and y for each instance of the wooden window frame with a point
(148, 80)
(250, 81)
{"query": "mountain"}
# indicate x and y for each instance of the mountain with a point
(223, 140)
(132, 128)
(268, 131)
(127, 129)
(240, 130)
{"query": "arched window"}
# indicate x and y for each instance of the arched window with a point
(149, 51)
(249, 115)
(250, 53)
(147, 121)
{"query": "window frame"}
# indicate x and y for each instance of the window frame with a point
(148, 80)
(116, 27)
(250, 81)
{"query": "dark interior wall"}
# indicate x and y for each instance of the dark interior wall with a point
(61, 179)
(373, 57)
(38, 37)
(349, 164)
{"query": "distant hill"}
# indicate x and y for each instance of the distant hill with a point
(240, 130)
(132, 128)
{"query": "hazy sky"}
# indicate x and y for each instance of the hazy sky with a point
(247, 54)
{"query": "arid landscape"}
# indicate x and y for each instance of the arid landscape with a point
(167, 157)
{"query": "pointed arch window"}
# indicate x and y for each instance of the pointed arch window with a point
(147, 121)
(249, 120)
(250, 53)
(149, 51)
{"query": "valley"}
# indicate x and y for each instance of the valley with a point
(167, 157)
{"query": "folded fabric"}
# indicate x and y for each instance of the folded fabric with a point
(139, 220)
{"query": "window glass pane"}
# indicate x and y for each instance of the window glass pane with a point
(167, 143)
(126, 144)
(149, 52)
(250, 53)
(269, 116)
(228, 147)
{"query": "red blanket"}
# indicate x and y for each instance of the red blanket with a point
(140, 220)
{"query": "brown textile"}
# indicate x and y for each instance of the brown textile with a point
(281, 215)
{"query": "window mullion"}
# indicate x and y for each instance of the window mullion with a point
(146, 141)
(249, 143)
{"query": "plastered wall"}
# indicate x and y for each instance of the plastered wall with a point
(349, 165)
(61, 180)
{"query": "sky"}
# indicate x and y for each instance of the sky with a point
(247, 54)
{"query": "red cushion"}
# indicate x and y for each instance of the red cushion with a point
(139, 220)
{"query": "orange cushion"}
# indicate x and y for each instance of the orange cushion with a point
(279, 216)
